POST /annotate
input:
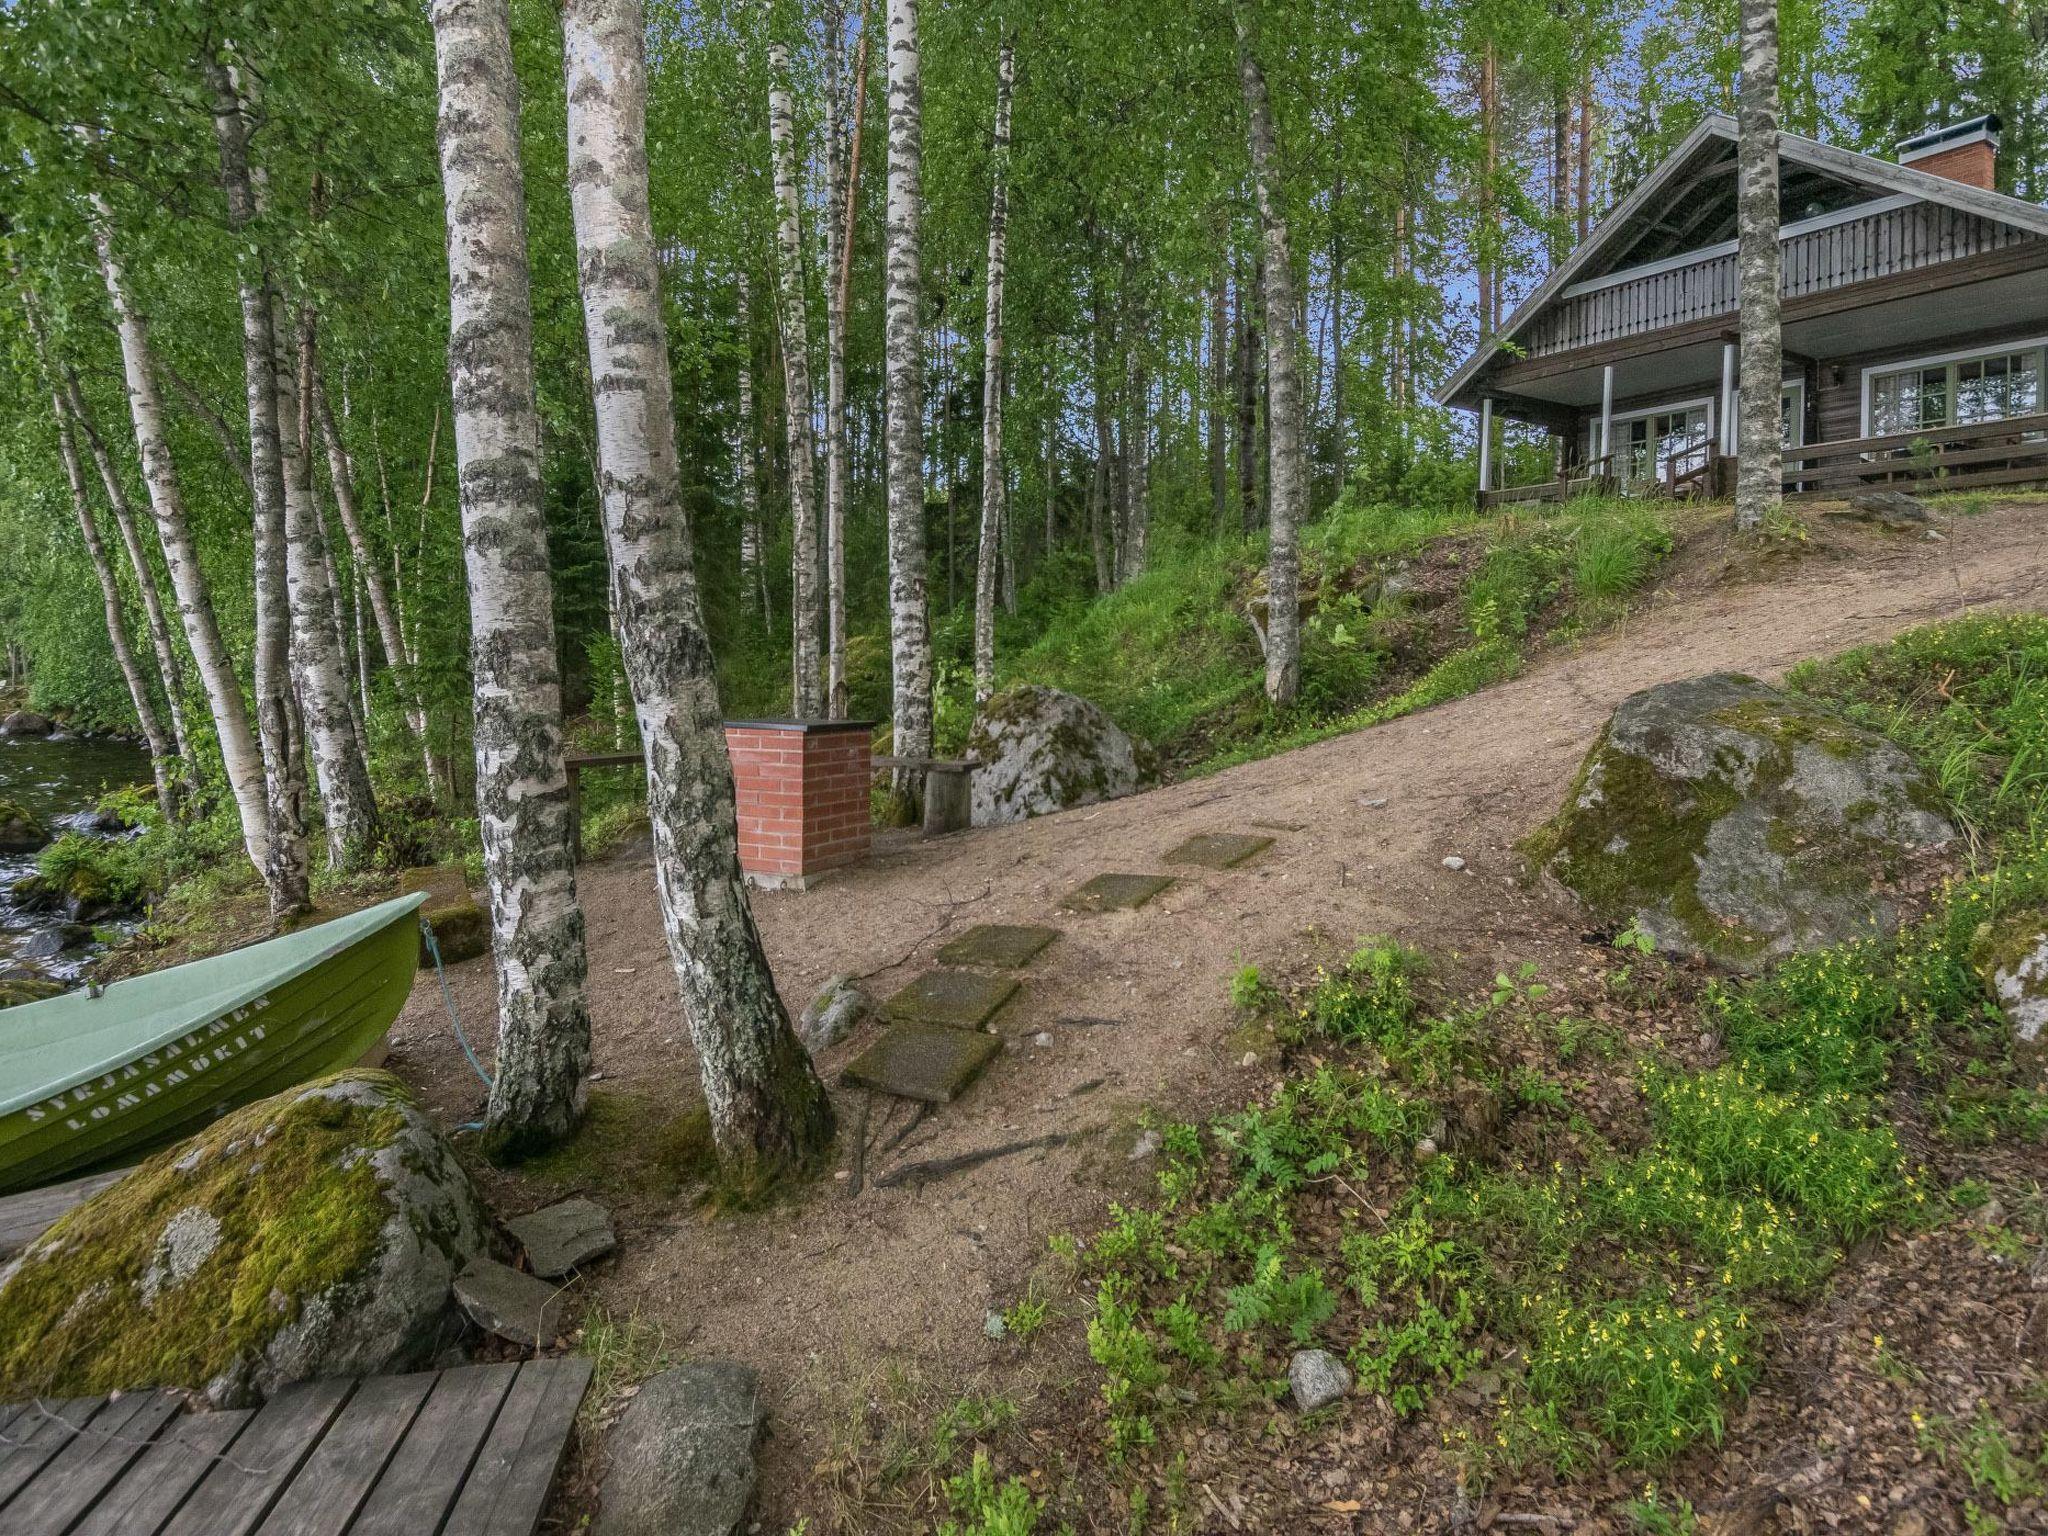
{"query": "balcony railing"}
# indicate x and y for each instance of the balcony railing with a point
(2009, 452)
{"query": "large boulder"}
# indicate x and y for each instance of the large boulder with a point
(26, 722)
(462, 929)
(1736, 823)
(1043, 750)
(21, 829)
(682, 1457)
(2011, 956)
(316, 1233)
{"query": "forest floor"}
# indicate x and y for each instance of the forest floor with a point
(866, 1313)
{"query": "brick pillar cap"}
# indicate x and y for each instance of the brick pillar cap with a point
(805, 727)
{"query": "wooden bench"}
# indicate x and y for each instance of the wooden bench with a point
(948, 790)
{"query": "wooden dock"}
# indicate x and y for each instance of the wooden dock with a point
(465, 1452)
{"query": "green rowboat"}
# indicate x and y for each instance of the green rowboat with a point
(90, 1082)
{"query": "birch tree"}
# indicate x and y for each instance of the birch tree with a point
(1759, 474)
(994, 491)
(1286, 473)
(339, 764)
(286, 875)
(838, 248)
(163, 762)
(240, 757)
(910, 644)
(768, 1110)
(522, 790)
(753, 571)
(792, 317)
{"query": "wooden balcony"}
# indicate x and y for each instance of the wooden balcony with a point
(2009, 452)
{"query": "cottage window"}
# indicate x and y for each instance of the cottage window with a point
(1958, 392)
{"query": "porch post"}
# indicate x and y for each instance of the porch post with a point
(1485, 444)
(1727, 398)
(1607, 413)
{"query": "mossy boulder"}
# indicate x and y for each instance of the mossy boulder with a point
(462, 929)
(316, 1233)
(21, 829)
(1732, 822)
(1044, 750)
(2010, 953)
(23, 986)
(26, 722)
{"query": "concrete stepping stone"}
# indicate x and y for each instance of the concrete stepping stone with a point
(564, 1236)
(516, 1307)
(681, 1458)
(1005, 946)
(1218, 850)
(1116, 893)
(961, 999)
(931, 1062)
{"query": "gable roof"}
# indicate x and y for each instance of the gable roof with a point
(1623, 222)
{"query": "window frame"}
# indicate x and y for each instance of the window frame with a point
(1949, 363)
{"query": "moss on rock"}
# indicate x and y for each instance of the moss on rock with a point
(309, 1234)
(1044, 750)
(21, 829)
(2010, 955)
(1732, 822)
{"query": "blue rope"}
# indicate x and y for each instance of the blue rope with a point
(448, 997)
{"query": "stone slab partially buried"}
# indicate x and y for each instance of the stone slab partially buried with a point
(561, 1237)
(516, 1307)
(931, 1062)
(962, 999)
(1219, 850)
(1115, 893)
(1005, 946)
(681, 1459)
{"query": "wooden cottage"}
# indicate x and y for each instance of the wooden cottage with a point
(1915, 317)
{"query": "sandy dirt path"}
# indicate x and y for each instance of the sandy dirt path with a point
(822, 1297)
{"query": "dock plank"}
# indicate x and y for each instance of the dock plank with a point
(157, 1483)
(236, 1495)
(40, 1433)
(75, 1478)
(423, 1479)
(28, 1215)
(508, 1487)
(331, 1487)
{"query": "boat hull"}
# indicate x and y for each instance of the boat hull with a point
(317, 1020)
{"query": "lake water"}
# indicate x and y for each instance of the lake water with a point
(61, 779)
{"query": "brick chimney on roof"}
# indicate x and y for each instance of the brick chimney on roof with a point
(1966, 152)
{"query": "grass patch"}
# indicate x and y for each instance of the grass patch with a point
(632, 1145)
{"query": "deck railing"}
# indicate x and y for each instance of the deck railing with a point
(2009, 452)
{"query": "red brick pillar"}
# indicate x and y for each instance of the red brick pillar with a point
(802, 788)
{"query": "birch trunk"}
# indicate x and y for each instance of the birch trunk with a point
(910, 645)
(339, 765)
(993, 488)
(163, 758)
(838, 240)
(1285, 477)
(240, 757)
(1247, 408)
(1218, 407)
(768, 1110)
(169, 670)
(370, 577)
(337, 601)
(753, 569)
(1099, 486)
(522, 790)
(1759, 472)
(792, 316)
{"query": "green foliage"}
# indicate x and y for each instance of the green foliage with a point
(1296, 1303)
(981, 1507)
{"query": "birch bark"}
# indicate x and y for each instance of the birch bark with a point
(838, 238)
(163, 759)
(1759, 471)
(169, 671)
(792, 317)
(753, 570)
(993, 488)
(1288, 490)
(768, 1110)
(339, 766)
(522, 790)
(286, 875)
(240, 758)
(910, 645)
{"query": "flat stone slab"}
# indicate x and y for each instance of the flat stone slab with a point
(561, 1237)
(1116, 893)
(1218, 850)
(516, 1307)
(682, 1457)
(1003, 945)
(962, 999)
(932, 1062)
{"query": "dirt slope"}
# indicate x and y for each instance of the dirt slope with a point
(825, 1298)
